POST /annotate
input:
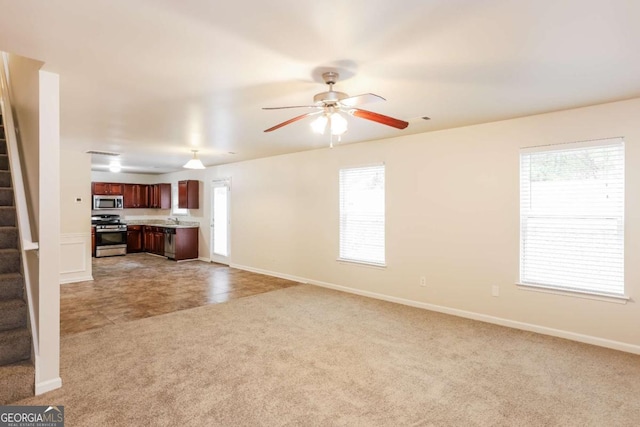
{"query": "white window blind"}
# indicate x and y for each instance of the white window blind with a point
(362, 215)
(572, 217)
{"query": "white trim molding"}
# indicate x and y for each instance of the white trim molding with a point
(75, 257)
(48, 385)
(573, 336)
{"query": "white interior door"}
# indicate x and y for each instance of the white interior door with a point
(220, 224)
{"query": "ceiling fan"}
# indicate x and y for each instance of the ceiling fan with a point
(330, 106)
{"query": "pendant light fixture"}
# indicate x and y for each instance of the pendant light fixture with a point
(194, 163)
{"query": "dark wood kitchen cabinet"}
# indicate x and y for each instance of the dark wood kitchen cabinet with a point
(136, 196)
(186, 243)
(188, 194)
(154, 240)
(93, 241)
(160, 196)
(107, 188)
(135, 241)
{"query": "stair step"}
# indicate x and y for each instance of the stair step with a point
(11, 286)
(13, 314)
(15, 345)
(4, 162)
(8, 237)
(5, 178)
(3, 145)
(9, 261)
(6, 196)
(17, 381)
(7, 216)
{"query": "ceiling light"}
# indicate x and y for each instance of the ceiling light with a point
(115, 167)
(194, 163)
(319, 125)
(338, 124)
(335, 122)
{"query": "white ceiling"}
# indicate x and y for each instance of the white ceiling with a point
(154, 79)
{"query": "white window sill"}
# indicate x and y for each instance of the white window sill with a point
(618, 299)
(362, 263)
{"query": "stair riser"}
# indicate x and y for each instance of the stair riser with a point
(11, 288)
(5, 179)
(9, 262)
(3, 145)
(8, 238)
(6, 197)
(15, 350)
(7, 217)
(14, 318)
(4, 162)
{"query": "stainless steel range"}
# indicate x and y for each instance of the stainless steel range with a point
(111, 235)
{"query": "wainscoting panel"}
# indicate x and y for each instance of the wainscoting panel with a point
(75, 257)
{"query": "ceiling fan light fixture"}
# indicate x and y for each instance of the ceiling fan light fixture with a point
(319, 124)
(194, 163)
(338, 124)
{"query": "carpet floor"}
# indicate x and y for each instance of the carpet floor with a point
(316, 357)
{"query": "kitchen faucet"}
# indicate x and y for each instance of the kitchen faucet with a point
(176, 220)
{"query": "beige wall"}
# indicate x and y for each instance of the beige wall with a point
(75, 178)
(452, 216)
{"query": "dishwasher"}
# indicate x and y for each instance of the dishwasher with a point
(170, 243)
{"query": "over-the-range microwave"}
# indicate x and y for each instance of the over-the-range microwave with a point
(107, 202)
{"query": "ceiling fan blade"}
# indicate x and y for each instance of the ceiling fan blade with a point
(295, 119)
(380, 118)
(294, 106)
(365, 98)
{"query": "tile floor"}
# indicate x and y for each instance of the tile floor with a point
(140, 285)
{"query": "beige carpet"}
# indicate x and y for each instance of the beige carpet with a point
(315, 357)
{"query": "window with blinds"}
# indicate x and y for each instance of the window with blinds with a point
(362, 215)
(572, 217)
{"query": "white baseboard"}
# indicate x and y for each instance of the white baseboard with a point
(587, 339)
(271, 273)
(66, 280)
(45, 386)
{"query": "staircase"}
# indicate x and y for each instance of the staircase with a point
(17, 376)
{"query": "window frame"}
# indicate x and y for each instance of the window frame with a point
(341, 234)
(555, 288)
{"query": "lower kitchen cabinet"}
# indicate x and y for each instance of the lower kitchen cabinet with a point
(186, 243)
(135, 241)
(154, 240)
(151, 239)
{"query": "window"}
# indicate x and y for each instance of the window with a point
(175, 210)
(572, 217)
(362, 215)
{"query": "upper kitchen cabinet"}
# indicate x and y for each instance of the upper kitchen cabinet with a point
(106, 188)
(188, 193)
(160, 196)
(136, 196)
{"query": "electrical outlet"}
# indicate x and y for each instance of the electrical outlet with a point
(423, 281)
(495, 290)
